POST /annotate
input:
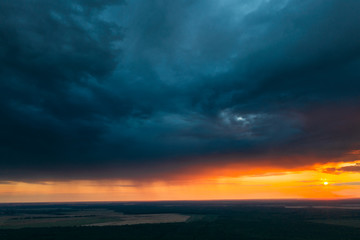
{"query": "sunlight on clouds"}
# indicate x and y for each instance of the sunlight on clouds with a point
(273, 184)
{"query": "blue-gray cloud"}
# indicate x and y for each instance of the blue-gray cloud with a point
(98, 89)
(347, 184)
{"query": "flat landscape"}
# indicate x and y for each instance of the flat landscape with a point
(253, 220)
(63, 217)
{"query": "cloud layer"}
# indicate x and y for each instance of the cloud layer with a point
(112, 89)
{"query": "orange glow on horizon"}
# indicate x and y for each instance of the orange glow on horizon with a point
(326, 181)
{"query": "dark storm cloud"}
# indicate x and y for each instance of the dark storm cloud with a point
(102, 89)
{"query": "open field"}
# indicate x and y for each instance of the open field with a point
(340, 222)
(89, 217)
(144, 219)
(212, 220)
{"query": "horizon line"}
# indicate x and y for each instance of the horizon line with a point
(186, 200)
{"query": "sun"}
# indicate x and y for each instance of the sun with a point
(326, 183)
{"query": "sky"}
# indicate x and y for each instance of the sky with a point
(111, 100)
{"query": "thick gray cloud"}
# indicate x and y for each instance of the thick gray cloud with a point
(137, 89)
